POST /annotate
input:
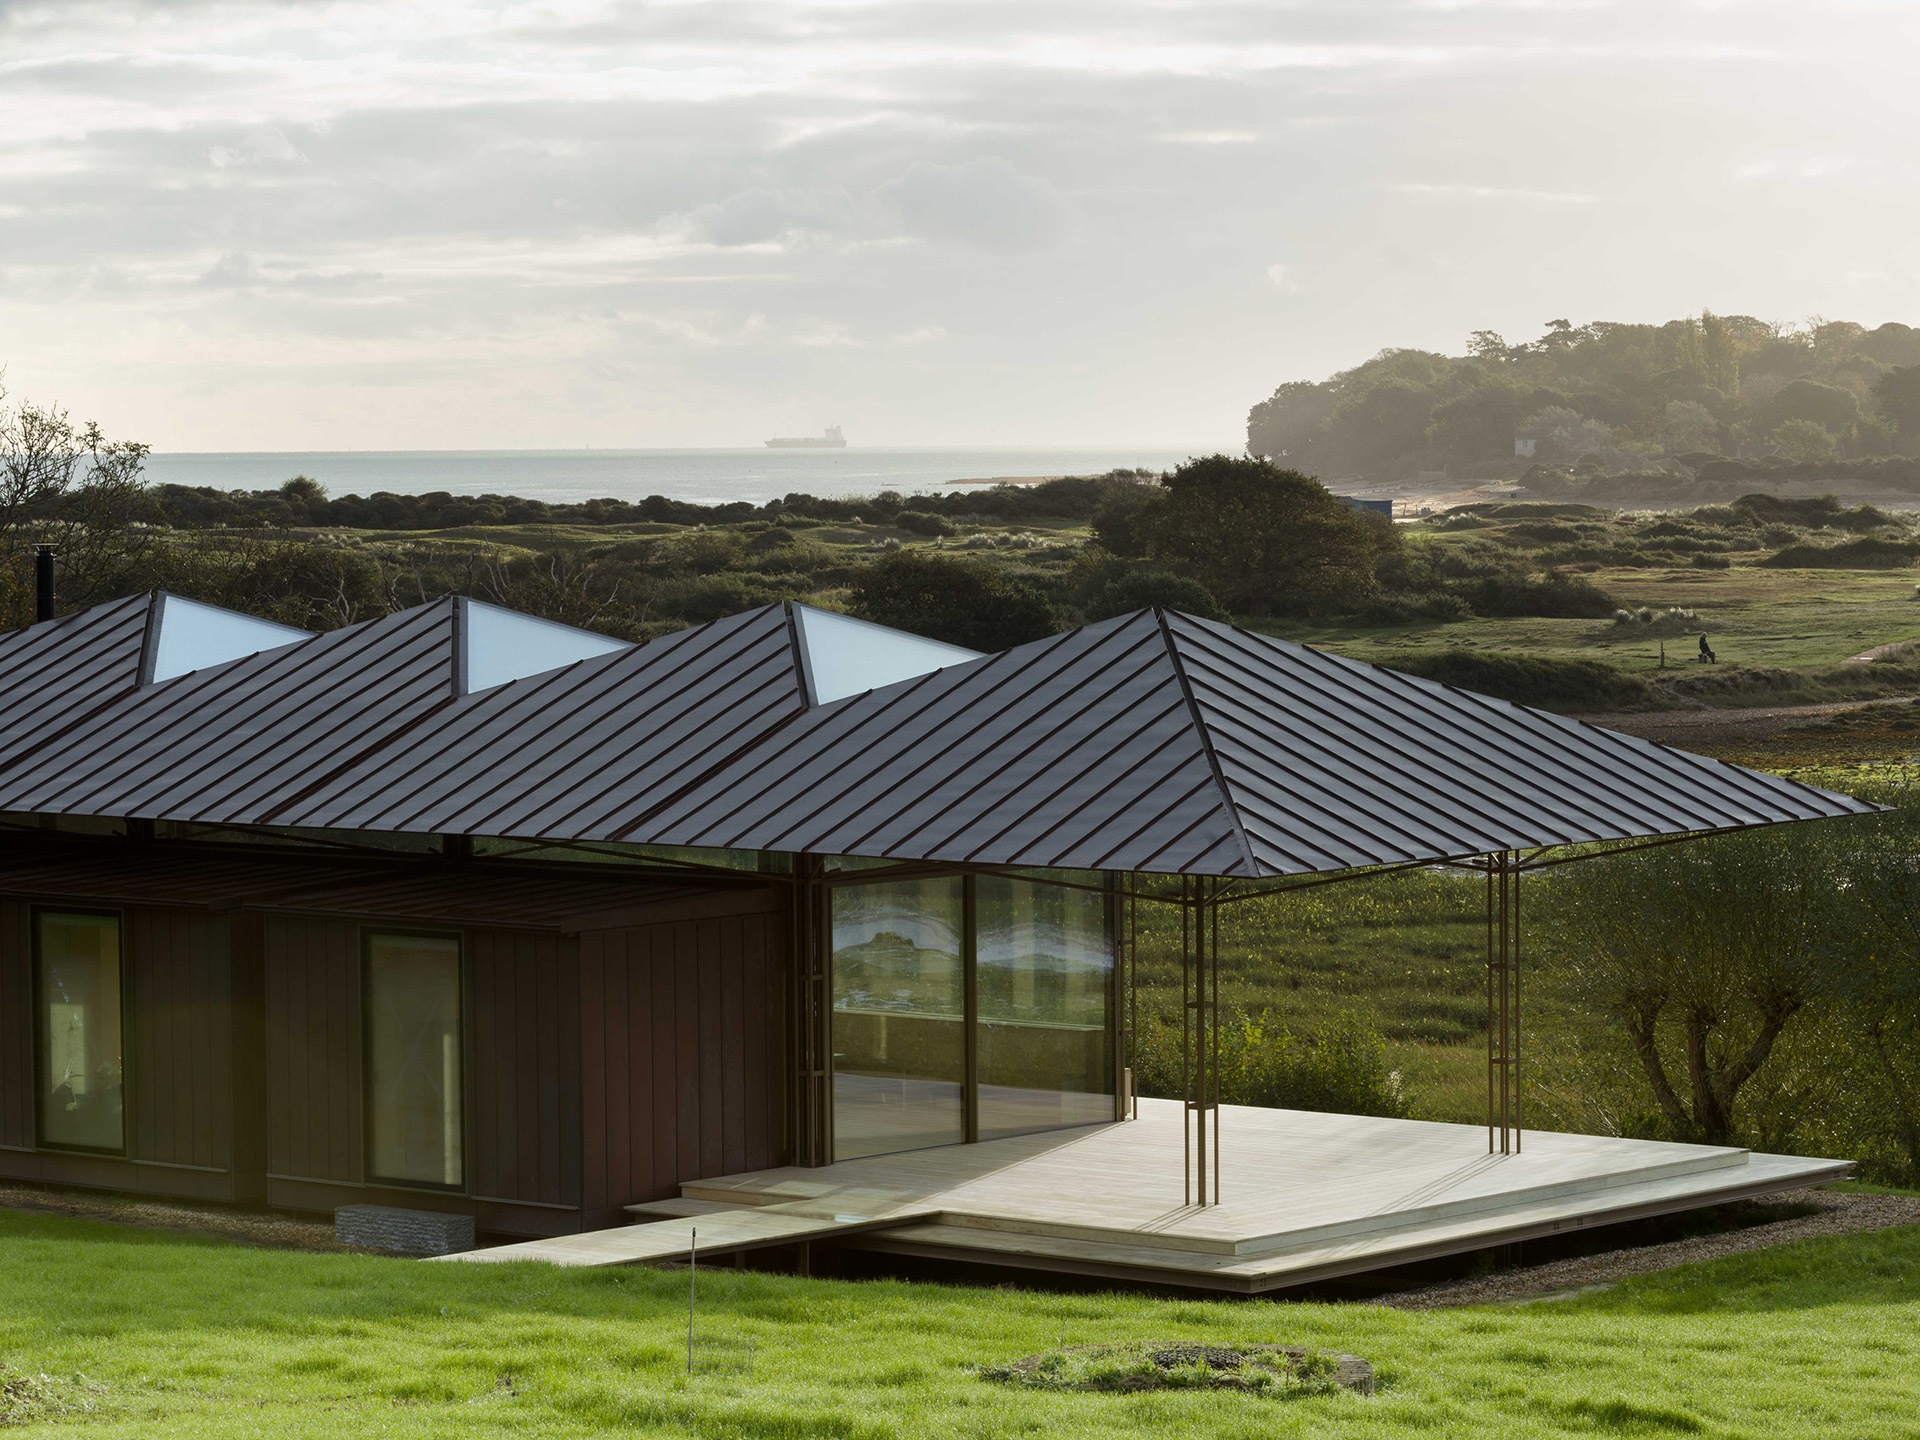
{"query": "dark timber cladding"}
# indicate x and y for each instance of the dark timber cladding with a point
(592, 998)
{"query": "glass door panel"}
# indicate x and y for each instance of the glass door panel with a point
(1045, 975)
(899, 1016)
(82, 1095)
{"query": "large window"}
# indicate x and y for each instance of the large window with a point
(77, 979)
(899, 1016)
(414, 1114)
(1045, 972)
(968, 1008)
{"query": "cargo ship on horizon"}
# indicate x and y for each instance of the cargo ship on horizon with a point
(832, 440)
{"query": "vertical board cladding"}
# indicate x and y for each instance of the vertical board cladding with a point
(683, 1045)
(179, 985)
(314, 1120)
(16, 1026)
(525, 1092)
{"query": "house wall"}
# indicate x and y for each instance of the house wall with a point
(191, 1125)
(683, 1053)
(600, 1069)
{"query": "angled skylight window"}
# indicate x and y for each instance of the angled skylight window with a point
(500, 645)
(844, 656)
(188, 635)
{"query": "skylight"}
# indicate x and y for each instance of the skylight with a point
(844, 656)
(188, 635)
(501, 645)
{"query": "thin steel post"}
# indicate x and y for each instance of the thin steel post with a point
(1516, 1012)
(1186, 1048)
(1490, 1099)
(1213, 1022)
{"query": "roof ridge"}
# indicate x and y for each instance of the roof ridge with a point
(1206, 738)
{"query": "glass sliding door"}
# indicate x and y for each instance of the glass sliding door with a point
(77, 978)
(899, 1016)
(1045, 976)
(414, 1067)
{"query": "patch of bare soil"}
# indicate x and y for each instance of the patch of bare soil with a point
(1839, 1214)
(247, 1227)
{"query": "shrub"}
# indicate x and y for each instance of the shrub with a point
(1648, 620)
(922, 522)
(1339, 1066)
(1869, 552)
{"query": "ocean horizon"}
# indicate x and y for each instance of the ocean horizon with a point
(709, 477)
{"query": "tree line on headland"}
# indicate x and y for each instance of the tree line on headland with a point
(1609, 399)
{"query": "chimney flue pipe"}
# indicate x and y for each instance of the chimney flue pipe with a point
(43, 582)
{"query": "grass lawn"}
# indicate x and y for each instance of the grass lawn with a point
(186, 1337)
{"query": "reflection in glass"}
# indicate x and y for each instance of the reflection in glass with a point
(899, 1016)
(1045, 973)
(413, 1058)
(82, 1096)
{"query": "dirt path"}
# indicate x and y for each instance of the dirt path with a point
(1840, 1214)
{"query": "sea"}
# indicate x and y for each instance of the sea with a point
(707, 477)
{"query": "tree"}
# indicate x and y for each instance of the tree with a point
(1476, 426)
(1263, 539)
(1807, 441)
(1691, 426)
(65, 484)
(1288, 423)
(1835, 410)
(1896, 395)
(954, 598)
(1703, 954)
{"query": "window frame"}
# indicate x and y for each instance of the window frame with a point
(41, 1039)
(369, 1174)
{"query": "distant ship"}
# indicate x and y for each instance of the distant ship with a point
(832, 440)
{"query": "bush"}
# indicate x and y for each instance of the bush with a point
(1138, 589)
(1555, 595)
(1431, 605)
(1869, 552)
(1339, 1066)
(922, 522)
(1647, 620)
(954, 598)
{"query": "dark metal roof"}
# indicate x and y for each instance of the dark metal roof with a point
(1174, 745)
(54, 672)
(578, 752)
(397, 888)
(239, 742)
(1150, 742)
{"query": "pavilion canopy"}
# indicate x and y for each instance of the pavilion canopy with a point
(1152, 742)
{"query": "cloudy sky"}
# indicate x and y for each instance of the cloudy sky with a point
(454, 223)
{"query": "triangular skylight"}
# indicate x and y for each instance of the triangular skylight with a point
(188, 635)
(844, 656)
(499, 645)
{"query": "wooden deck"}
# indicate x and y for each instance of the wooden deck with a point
(1306, 1196)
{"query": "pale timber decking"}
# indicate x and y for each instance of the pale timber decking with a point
(1305, 1196)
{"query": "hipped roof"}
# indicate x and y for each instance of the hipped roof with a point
(1152, 742)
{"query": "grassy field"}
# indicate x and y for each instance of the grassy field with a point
(150, 1335)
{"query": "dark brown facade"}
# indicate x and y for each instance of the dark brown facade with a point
(628, 1039)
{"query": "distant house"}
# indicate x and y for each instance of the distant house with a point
(1372, 507)
(1526, 442)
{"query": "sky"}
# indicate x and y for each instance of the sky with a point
(459, 224)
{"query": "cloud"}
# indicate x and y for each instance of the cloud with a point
(1499, 192)
(984, 201)
(1282, 278)
(753, 217)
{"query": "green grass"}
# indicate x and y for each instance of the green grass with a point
(179, 1337)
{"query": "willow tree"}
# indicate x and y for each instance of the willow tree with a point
(1704, 954)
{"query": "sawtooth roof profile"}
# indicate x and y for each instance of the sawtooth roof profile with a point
(1152, 742)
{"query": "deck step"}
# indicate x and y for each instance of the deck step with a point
(1140, 1258)
(681, 1207)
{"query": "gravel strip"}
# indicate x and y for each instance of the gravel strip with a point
(247, 1227)
(1840, 1214)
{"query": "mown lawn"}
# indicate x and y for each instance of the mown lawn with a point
(185, 1337)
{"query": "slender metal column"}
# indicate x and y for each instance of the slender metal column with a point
(1503, 1004)
(1200, 1038)
(811, 1026)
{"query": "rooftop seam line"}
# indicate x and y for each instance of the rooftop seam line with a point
(1206, 739)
